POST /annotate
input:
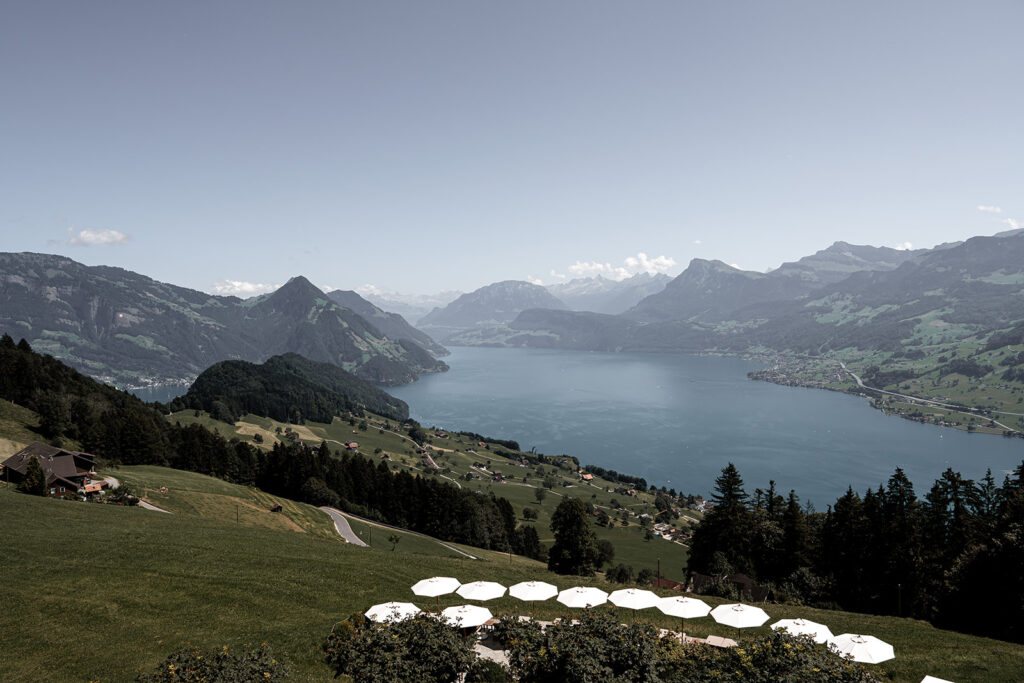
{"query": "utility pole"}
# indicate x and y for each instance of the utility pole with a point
(236, 513)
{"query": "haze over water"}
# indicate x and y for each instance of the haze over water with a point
(677, 420)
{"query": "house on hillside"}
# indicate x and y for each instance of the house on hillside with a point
(66, 471)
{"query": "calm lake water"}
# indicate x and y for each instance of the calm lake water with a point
(678, 420)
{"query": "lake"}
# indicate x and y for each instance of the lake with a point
(677, 420)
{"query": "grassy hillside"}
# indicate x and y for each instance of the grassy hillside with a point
(456, 455)
(141, 583)
(188, 493)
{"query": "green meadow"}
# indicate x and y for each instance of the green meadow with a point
(94, 592)
(455, 457)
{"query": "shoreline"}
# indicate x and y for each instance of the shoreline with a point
(784, 373)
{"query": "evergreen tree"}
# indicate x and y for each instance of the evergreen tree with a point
(575, 549)
(726, 528)
(35, 480)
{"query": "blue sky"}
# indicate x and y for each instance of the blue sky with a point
(424, 146)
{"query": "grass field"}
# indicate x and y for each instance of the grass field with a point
(457, 454)
(93, 592)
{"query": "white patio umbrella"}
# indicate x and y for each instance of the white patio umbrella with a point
(801, 627)
(582, 596)
(684, 608)
(739, 616)
(392, 611)
(634, 599)
(466, 616)
(481, 590)
(533, 591)
(435, 586)
(933, 679)
(859, 648)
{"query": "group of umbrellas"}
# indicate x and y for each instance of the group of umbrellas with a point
(859, 648)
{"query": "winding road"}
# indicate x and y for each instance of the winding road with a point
(343, 527)
(932, 402)
(340, 517)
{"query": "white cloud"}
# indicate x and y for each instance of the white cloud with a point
(641, 263)
(736, 266)
(1013, 223)
(241, 289)
(374, 290)
(906, 246)
(534, 280)
(696, 241)
(558, 276)
(989, 209)
(95, 238)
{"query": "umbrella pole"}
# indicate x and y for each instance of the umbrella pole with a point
(682, 623)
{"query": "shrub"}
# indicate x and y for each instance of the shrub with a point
(766, 659)
(218, 666)
(486, 671)
(418, 650)
(598, 648)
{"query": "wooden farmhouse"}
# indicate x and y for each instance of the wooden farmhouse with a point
(66, 471)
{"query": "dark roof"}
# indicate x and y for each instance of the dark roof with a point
(57, 463)
(739, 578)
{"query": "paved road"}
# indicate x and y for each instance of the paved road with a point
(343, 527)
(932, 402)
(111, 482)
(339, 516)
(148, 506)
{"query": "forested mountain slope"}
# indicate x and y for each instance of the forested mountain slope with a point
(131, 330)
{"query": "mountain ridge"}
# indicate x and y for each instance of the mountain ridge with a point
(128, 329)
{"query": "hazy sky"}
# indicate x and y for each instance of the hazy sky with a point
(421, 146)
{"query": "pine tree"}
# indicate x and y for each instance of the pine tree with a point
(575, 548)
(34, 481)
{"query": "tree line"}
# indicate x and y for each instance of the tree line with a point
(119, 428)
(954, 557)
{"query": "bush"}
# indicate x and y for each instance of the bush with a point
(767, 659)
(599, 648)
(486, 671)
(418, 650)
(122, 495)
(620, 573)
(218, 666)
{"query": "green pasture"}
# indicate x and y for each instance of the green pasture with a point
(128, 586)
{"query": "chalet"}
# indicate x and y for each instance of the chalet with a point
(66, 471)
(587, 477)
(351, 445)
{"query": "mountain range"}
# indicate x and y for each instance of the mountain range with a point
(130, 330)
(843, 297)
(602, 295)
(494, 304)
(473, 317)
